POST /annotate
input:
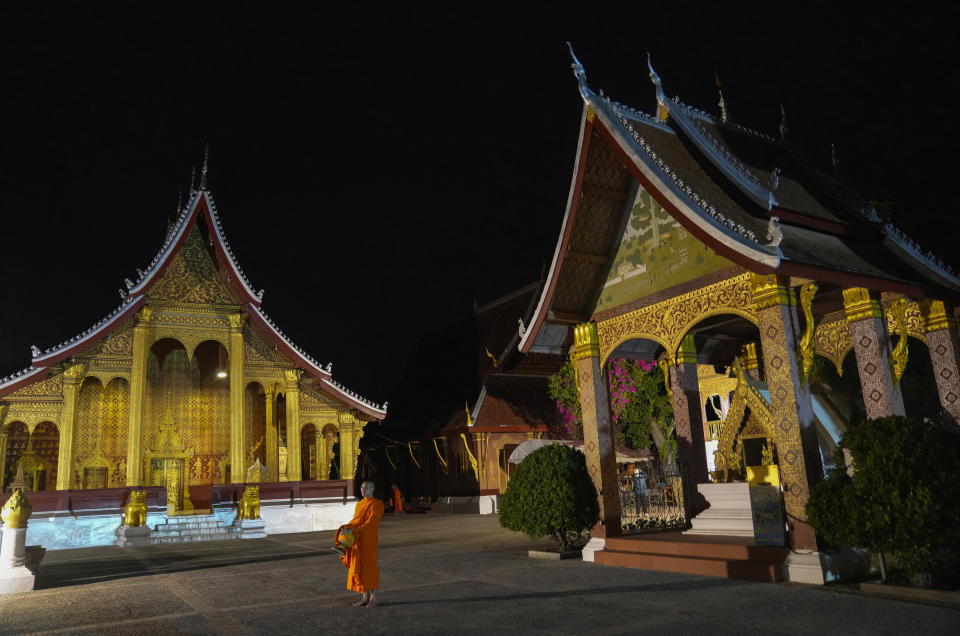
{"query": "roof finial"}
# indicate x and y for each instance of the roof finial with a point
(578, 71)
(661, 98)
(722, 103)
(203, 170)
(179, 201)
(193, 177)
(783, 123)
(834, 157)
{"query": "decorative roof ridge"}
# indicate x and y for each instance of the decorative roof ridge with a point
(222, 237)
(635, 114)
(926, 257)
(17, 375)
(688, 119)
(173, 238)
(86, 334)
(381, 408)
(323, 371)
(845, 192)
(726, 223)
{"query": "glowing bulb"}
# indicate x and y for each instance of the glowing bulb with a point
(221, 374)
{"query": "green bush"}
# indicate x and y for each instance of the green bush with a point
(551, 494)
(902, 499)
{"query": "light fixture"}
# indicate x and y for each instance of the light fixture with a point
(221, 374)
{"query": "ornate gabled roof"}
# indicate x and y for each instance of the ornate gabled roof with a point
(200, 205)
(747, 196)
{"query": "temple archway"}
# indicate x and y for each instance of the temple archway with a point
(194, 392)
(328, 456)
(17, 442)
(45, 443)
(308, 451)
(255, 424)
(100, 433)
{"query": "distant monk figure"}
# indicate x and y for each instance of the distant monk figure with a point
(397, 501)
(361, 557)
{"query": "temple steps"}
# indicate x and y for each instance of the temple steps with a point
(727, 557)
(189, 528)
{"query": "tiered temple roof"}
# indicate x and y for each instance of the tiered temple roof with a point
(200, 205)
(750, 197)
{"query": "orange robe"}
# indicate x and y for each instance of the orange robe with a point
(397, 499)
(361, 558)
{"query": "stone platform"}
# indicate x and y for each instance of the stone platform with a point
(728, 557)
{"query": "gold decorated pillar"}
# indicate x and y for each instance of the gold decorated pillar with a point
(790, 404)
(350, 434)
(238, 442)
(272, 441)
(751, 363)
(292, 377)
(72, 379)
(598, 438)
(138, 380)
(3, 454)
(942, 343)
(871, 345)
(687, 412)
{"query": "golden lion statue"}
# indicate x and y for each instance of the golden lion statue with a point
(249, 506)
(135, 512)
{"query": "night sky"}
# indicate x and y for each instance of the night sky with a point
(376, 171)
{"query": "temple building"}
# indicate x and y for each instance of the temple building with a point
(695, 242)
(185, 386)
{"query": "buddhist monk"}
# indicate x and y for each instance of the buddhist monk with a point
(361, 557)
(397, 501)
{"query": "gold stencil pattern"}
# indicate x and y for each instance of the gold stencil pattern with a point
(101, 419)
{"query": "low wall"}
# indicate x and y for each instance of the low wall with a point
(64, 519)
(471, 505)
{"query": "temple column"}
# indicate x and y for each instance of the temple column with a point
(292, 377)
(871, 345)
(238, 442)
(320, 444)
(350, 434)
(138, 380)
(943, 345)
(750, 361)
(790, 404)
(3, 455)
(687, 411)
(272, 441)
(330, 438)
(72, 379)
(598, 437)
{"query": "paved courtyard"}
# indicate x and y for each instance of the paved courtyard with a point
(440, 574)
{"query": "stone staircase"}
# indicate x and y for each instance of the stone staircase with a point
(187, 528)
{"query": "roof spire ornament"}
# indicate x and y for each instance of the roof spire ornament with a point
(783, 124)
(578, 71)
(774, 233)
(203, 170)
(834, 157)
(724, 115)
(661, 97)
(193, 178)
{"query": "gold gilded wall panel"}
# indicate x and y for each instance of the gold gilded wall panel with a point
(51, 387)
(201, 413)
(255, 424)
(101, 420)
(192, 276)
(666, 322)
(32, 413)
(833, 340)
(256, 350)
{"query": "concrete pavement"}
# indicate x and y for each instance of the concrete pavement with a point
(440, 574)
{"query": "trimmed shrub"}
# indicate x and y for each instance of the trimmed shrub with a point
(551, 494)
(902, 499)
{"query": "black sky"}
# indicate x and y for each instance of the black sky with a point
(377, 170)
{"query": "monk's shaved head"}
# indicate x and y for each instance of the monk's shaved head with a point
(367, 485)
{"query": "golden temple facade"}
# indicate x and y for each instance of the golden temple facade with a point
(188, 382)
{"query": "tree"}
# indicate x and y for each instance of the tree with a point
(902, 497)
(551, 494)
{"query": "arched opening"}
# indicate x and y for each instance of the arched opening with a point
(18, 440)
(329, 466)
(255, 424)
(280, 413)
(45, 444)
(308, 451)
(191, 394)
